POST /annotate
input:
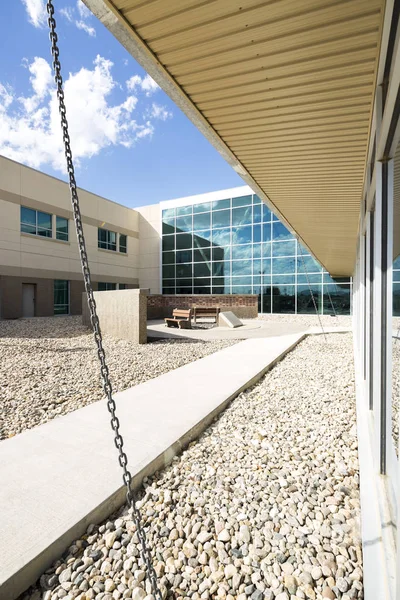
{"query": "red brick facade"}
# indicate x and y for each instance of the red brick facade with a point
(244, 306)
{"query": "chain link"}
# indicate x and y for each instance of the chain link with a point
(333, 308)
(118, 440)
(310, 288)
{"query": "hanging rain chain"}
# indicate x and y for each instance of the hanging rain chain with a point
(310, 288)
(118, 440)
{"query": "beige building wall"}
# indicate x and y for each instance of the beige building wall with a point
(29, 256)
(150, 248)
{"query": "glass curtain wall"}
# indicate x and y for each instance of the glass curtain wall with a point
(238, 246)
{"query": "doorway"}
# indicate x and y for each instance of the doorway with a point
(28, 299)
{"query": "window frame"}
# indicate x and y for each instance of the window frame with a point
(60, 234)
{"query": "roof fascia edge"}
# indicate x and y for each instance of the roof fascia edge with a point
(122, 30)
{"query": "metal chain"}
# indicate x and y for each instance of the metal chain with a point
(333, 308)
(118, 440)
(309, 286)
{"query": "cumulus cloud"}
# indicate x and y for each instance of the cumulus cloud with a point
(146, 84)
(36, 10)
(30, 125)
(157, 111)
(79, 17)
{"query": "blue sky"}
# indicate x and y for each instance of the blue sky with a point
(131, 143)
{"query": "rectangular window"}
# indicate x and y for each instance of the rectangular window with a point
(36, 222)
(106, 287)
(122, 286)
(61, 297)
(62, 229)
(107, 239)
(122, 243)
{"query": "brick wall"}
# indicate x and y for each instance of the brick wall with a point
(244, 306)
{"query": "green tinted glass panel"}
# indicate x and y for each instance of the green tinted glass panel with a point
(201, 221)
(203, 255)
(28, 216)
(304, 299)
(185, 282)
(183, 223)
(183, 241)
(283, 279)
(184, 270)
(202, 281)
(221, 268)
(219, 204)
(312, 278)
(168, 290)
(221, 218)
(242, 280)
(168, 242)
(28, 228)
(202, 290)
(202, 269)
(168, 282)
(242, 216)
(339, 298)
(309, 265)
(44, 220)
(202, 239)
(184, 290)
(168, 213)
(168, 271)
(122, 243)
(184, 256)
(168, 258)
(283, 299)
(62, 229)
(241, 201)
(219, 253)
(221, 237)
(256, 199)
(168, 226)
(184, 210)
(202, 207)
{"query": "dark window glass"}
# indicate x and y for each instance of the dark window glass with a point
(396, 263)
(122, 286)
(168, 290)
(122, 243)
(242, 216)
(220, 290)
(202, 239)
(284, 248)
(202, 207)
(102, 238)
(279, 232)
(218, 281)
(202, 269)
(183, 241)
(221, 268)
(241, 201)
(184, 290)
(266, 213)
(168, 226)
(220, 253)
(396, 276)
(168, 242)
(184, 270)
(266, 232)
(218, 204)
(305, 304)
(28, 216)
(201, 221)
(107, 239)
(221, 218)
(257, 213)
(61, 297)
(242, 235)
(283, 299)
(241, 267)
(44, 220)
(168, 258)
(184, 282)
(106, 287)
(25, 228)
(112, 240)
(244, 251)
(221, 237)
(283, 265)
(168, 271)
(184, 223)
(168, 282)
(62, 229)
(184, 210)
(168, 213)
(256, 199)
(340, 298)
(202, 281)
(266, 300)
(184, 256)
(202, 290)
(203, 255)
(396, 299)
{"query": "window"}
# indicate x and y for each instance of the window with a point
(107, 239)
(122, 286)
(106, 287)
(62, 229)
(36, 222)
(61, 297)
(122, 243)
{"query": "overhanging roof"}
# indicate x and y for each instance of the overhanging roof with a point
(282, 88)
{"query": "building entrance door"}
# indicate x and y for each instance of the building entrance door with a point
(28, 300)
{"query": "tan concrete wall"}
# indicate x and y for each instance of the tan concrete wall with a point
(30, 256)
(122, 314)
(150, 247)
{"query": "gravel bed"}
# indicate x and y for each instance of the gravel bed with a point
(310, 320)
(265, 505)
(49, 367)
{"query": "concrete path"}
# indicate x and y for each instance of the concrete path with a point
(58, 478)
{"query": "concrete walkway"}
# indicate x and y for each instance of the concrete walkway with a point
(58, 478)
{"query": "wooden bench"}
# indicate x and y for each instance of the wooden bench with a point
(206, 311)
(181, 317)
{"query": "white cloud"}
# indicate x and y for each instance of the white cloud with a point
(36, 10)
(69, 12)
(146, 84)
(89, 30)
(30, 129)
(158, 111)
